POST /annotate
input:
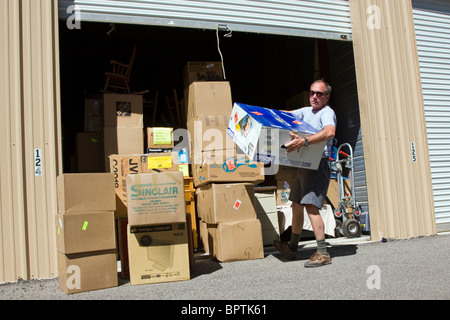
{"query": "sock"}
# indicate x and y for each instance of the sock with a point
(322, 246)
(293, 243)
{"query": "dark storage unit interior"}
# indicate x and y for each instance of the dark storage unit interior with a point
(263, 69)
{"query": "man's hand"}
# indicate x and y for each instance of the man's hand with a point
(296, 142)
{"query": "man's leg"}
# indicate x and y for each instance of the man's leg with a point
(321, 257)
(297, 225)
(289, 249)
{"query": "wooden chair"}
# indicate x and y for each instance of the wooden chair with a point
(119, 78)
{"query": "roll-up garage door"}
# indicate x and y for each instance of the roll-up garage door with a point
(432, 24)
(328, 19)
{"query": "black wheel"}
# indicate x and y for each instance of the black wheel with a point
(338, 229)
(351, 228)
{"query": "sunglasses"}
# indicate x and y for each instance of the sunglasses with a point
(319, 94)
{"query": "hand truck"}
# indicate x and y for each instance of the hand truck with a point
(347, 210)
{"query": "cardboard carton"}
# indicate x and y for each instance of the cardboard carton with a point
(241, 240)
(209, 132)
(159, 137)
(125, 140)
(89, 152)
(85, 231)
(226, 202)
(158, 253)
(122, 110)
(155, 198)
(261, 134)
(87, 271)
(122, 165)
(209, 98)
(85, 192)
(225, 166)
(202, 71)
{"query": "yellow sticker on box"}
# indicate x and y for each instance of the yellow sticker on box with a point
(162, 136)
(159, 162)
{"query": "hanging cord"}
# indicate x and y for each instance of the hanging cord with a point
(218, 46)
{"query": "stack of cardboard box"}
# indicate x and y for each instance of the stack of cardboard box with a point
(123, 122)
(224, 178)
(157, 234)
(86, 238)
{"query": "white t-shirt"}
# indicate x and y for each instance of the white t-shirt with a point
(318, 119)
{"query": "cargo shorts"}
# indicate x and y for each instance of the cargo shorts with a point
(311, 186)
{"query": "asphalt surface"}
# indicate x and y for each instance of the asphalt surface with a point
(413, 269)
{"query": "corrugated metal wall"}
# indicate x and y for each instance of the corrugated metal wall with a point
(392, 119)
(313, 18)
(432, 23)
(29, 93)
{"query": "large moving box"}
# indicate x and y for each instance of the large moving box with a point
(122, 165)
(86, 192)
(226, 202)
(87, 271)
(85, 232)
(261, 134)
(209, 99)
(155, 198)
(209, 133)
(225, 166)
(122, 110)
(122, 140)
(241, 240)
(158, 253)
(202, 71)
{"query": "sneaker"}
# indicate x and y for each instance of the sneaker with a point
(285, 250)
(317, 260)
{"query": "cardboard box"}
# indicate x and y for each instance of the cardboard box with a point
(158, 253)
(202, 71)
(85, 192)
(209, 133)
(209, 98)
(241, 240)
(89, 152)
(226, 202)
(261, 134)
(225, 166)
(126, 140)
(155, 198)
(92, 115)
(87, 271)
(122, 165)
(123, 110)
(85, 232)
(283, 191)
(159, 137)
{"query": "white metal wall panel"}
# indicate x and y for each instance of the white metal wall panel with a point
(318, 18)
(432, 25)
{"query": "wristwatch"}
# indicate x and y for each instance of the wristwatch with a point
(306, 142)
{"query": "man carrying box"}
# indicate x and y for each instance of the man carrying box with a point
(310, 186)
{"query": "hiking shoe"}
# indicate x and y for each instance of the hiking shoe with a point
(317, 260)
(283, 247)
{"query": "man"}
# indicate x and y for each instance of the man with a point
(310, 186)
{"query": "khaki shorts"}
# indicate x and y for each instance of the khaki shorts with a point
(311, 186)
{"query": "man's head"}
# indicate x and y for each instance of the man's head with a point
(319, 94)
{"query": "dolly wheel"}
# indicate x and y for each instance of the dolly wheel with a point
(351, 228)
